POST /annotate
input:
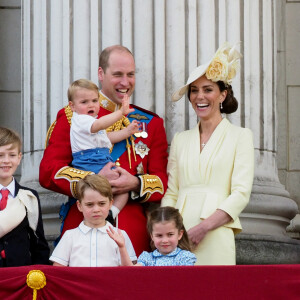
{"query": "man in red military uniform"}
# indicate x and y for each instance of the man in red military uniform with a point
(140, 161)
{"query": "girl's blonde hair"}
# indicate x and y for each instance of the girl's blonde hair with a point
(168, 214)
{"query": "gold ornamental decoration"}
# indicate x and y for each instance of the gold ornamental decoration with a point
(119, 125)
(36, 280)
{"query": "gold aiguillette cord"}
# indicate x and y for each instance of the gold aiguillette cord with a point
(128, 152)
(124, 122)
(133, 146)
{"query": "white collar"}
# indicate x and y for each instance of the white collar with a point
(11, 187)
(85, 229)
(156, 253)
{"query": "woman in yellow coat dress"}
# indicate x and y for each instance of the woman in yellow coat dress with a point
(211, 166)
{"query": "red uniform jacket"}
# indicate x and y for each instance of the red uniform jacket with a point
(151, 162)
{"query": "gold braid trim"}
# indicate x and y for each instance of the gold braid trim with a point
(69, 113)
(119, 125)
(49, 132)
(74, 189)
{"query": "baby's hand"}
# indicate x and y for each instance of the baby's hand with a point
(133, 127)
(125, 109)
(116, 236)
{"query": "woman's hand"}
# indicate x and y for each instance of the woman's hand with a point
(197, 233)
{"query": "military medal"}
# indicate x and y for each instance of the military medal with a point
(141, 149)
(144, 133)
(140, 168)
(138, 134)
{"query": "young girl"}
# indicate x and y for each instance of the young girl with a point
(169, 240)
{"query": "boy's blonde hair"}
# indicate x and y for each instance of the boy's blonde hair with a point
(9, 136)
(95, 182)
(81, 83)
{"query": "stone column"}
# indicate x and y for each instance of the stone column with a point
(264, 238)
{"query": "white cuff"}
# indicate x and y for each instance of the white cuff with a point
(115, 211)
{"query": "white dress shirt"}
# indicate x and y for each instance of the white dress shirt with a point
(90, 247)
(81, 136)
(11, 188)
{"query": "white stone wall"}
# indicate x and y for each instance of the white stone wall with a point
(10, 65)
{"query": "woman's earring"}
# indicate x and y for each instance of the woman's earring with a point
(221, 106)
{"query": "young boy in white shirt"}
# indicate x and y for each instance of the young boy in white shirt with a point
(89, 245)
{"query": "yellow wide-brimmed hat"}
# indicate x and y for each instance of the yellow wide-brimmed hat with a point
(222, 67)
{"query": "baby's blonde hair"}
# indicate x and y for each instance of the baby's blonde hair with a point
(81, 83)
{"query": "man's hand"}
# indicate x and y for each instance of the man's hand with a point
(108, 172)
(125, 183)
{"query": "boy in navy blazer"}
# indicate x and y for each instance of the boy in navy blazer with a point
(22, 239)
